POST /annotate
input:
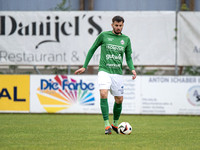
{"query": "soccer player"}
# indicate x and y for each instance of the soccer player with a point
(113, 46)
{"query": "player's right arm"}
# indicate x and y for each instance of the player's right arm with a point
(91, 51)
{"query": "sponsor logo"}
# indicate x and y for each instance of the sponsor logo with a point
(62, 92)
(114, 65)
(109, 56)
(51, 27)
(114, 47)
(193, 95)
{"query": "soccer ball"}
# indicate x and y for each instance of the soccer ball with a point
(124, 128)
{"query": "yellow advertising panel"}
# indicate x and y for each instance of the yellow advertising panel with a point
(14, 92)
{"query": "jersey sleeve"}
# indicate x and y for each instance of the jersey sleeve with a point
(128, 52)
(91, 51)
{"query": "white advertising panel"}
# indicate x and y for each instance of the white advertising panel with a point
(64, 38)
(188, 39)
(170, 95)
(74, 94)
(61, 93)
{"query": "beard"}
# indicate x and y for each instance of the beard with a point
(117, 31)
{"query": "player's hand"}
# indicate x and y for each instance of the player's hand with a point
(134, 74)
(79, 71)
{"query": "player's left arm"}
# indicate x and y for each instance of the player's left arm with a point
(134, 74)
(129, 61)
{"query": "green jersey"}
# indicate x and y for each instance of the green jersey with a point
(113, 48)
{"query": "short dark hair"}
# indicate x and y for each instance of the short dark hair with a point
(118, 19)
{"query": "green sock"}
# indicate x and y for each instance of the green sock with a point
(106, 122)
(105, 111)
(116, 113)
(115, 123)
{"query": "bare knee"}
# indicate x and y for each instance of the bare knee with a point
(118, 99)
(104, 94)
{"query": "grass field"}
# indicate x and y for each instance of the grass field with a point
(86, 132)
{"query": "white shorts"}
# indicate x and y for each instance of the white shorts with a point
(113, 82)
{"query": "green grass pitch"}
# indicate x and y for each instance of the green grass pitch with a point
(86, 132)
